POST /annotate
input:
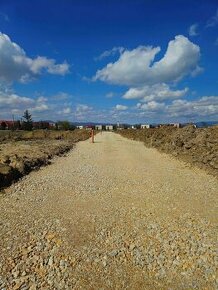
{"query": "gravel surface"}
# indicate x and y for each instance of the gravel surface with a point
(110, 215)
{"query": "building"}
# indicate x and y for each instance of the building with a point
(98, 127)
(80, 127)
(177, 125)
(145, 126)
(109, 127)
(10, 125)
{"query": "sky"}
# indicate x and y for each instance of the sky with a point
(126, 61)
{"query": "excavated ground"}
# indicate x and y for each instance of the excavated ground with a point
(110, 215)
(22, 151)
(198, 146)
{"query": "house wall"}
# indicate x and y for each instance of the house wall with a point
(146, 126)
(98, 127)
(109, 127)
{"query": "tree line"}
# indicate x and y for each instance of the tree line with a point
(28, 124)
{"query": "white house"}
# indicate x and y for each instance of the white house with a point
(79, 127)
(98, 127)
(145, 126)
(109, 127)
(177, 125)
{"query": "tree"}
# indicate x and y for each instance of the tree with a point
(28, 122)
(64, 125)
(3, 125)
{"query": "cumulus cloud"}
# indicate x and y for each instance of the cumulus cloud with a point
(151, 106)
(158, 92)
(110, 95)
(213, 21)
(137, 67)
(206, 106)
(39, 108)
(110, 52)
(13, 100)
(193, 30)
(121, 107)
(131, 67)
(66, 111)
(61, 96)
(83, 112)
(82, 108)
(12, 103)
(17, 66)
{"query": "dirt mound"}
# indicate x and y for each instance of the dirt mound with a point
(198, 146)
(21, 152)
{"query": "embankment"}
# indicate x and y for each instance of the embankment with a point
(198, 146)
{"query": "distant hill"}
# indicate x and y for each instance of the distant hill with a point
(206, 124)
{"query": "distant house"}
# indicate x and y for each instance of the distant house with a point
(109, 127)
(7, 125)
(98, 127)
(122, 126)
(90, 127)
(51, 124)
(42, 125)
(80, 127)
(177, 125)
(145, 126)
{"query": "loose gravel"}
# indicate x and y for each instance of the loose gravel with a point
(110, 215)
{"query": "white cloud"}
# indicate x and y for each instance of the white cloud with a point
(213, 21)
(137, 67)
(206, 106)
(180, 59)
(151, 106)
(39, 108)
(11, 103)
(111, 52)
(4, 16)
(17, 66)
(61, 96)
(13, 100)
(158, 92)
(193, 30)
(110, 95)
(130, 68)
(83, 112)
(66, 110)
(121, 107)
(83, 108)
(198, 70)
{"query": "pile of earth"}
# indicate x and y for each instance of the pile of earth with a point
(198, 146)
(21, 152)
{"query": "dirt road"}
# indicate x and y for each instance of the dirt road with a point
(110, 215)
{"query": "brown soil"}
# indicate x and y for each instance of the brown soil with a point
(198, 146)
(21, 152)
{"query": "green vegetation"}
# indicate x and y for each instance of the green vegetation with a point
(27, 122)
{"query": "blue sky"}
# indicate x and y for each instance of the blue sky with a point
(135, 61)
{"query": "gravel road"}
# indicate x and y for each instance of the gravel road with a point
(110, 215)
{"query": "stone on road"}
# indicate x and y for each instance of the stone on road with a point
(110, 215)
